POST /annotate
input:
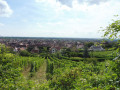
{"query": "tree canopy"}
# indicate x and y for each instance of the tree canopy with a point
(112, 30)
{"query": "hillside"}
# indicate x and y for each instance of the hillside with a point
(58, 72)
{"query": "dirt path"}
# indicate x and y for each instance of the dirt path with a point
(40, 75)
(26, 72)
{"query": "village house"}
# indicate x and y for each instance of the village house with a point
(68, 45)
(35, 50)
(22, 49)
(15, 49)
(55, 49)
(96, 48)
(79, 46)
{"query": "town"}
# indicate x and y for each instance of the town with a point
(53, 45)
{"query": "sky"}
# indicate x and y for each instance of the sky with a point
(56, 18)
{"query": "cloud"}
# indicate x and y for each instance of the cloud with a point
(1, 24)
(57, 5)
(39, 25)
(54, 23)
(91, 2)
(66, 2)
(5, 10)
(69, 3)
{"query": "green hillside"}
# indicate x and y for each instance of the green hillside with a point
(56, 72)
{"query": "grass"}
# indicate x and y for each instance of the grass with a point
(39, 76)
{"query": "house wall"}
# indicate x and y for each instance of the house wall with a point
(53, 50)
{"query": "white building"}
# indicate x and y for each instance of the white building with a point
(96, 48)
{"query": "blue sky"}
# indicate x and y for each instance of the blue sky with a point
(56, 18)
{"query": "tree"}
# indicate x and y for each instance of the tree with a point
(85, 53)
(3, 49)
(29, 49)
(112, 31)
(89, 44)
(24, 53)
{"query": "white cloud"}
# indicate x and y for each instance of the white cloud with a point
(1, 24)
(39, 25)
(54, 23)
(89, 2)
(5, 10)
(54, 4)
(83, 19)
(66, 2)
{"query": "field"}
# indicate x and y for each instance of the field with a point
(59, 73)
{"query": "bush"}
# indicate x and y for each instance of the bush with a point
(93, 60)
(24, 53)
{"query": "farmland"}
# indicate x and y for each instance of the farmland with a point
(59, 72)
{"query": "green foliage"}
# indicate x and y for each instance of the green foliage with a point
(66, 81)
(91, 60)
(112, 31)
(25, 53)
(85, 53)
(89, 44)
(9, 75)
(62, 73)
(11, 67)
(116, 67)
(49, 69)
(29, 49)
(88, 74)
(103, 55)
(3, 49)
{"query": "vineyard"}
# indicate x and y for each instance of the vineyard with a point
(58, 73)
(84, 75)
